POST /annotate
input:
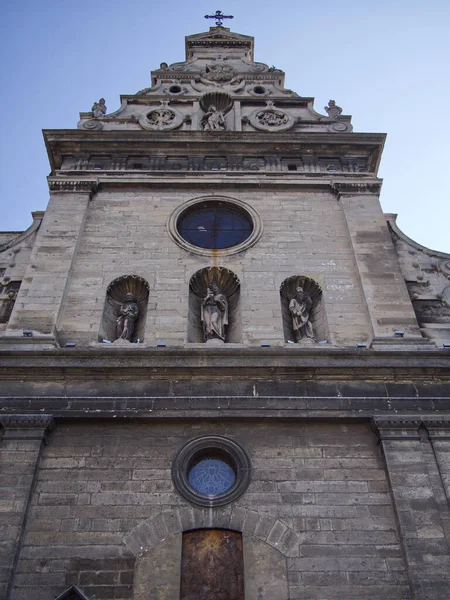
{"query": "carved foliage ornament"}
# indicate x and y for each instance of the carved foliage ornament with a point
(161, 118)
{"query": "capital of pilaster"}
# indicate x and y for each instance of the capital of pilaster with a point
(356, 188)
(438, 427)
(396, 428)
(26, 427)
(73, 186)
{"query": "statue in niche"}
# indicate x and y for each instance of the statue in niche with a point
(125, 323)
(99, 108)
(214, 314)
(213, 120)
(333, 110)
(300, 308)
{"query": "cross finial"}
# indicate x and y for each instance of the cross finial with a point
(219, 16)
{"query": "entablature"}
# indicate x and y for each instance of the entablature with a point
(307, 152)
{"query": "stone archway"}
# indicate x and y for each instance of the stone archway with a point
(157, 545)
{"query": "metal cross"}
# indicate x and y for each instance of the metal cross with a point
(219, 16)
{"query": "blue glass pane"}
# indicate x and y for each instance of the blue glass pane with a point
(213, 225)
(211, 476)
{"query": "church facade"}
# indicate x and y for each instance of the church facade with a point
(225, 372)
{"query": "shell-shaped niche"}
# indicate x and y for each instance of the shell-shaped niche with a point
(229, 285)
(225, 279)
(288, 290)
(220, 100)
(115, 296)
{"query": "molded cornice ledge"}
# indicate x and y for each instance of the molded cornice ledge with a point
(26, 427)
(438, 428)
(407, 428)
(397, 428)
(342, 188)
(75, 186)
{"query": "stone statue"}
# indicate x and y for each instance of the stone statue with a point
(213, 120)
(164, 66)
(129, 313)
(300, 307)
(333, 110)
(214, 314)
(99, 108)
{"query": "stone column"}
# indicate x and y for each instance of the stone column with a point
(42, 293)
(382, 282)
(419, 503)
(20, 451)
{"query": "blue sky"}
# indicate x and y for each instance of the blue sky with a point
(385, 63)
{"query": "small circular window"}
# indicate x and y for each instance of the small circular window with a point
(259, 89)
(215, 225)
(211, 471)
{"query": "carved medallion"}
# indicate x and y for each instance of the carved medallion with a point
(219, 72)
(271, 119)
(161, 118)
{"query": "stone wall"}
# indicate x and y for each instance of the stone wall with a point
(304, 234)
(104, 496)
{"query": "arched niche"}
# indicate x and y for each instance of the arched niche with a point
(229, 285)
(288, 290)
(115, 296)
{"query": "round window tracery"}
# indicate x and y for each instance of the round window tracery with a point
(217, 225)
(211, 476)
(211, 471)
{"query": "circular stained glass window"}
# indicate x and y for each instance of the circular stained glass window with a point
(215, 225)
(211, 471)
(211, 476)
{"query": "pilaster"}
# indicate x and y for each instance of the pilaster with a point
(41, 296)
(419, 503)
(20, 451)
(384, 288)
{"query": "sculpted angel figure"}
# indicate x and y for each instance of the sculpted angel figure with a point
(99, 108)
(300, 307)
(129, 313)
(214, 314)
(213, 120)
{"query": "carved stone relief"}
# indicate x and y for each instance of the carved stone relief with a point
(161, 118)
(271, 119)
(219, 72)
